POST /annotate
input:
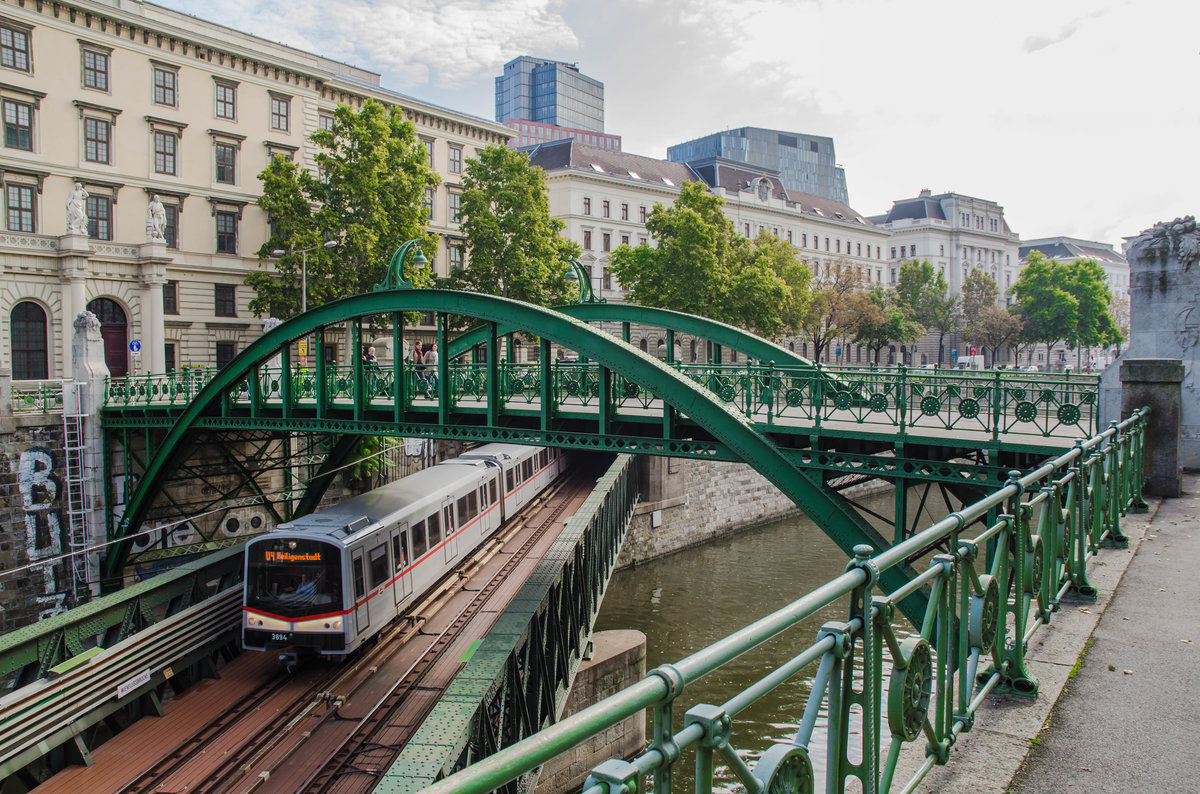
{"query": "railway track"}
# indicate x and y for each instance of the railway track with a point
(240, 751)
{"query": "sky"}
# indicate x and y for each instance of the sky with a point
(1079, 117)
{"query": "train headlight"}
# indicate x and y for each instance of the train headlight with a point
(337, 624)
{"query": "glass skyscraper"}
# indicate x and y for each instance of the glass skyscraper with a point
(549, 92)
(805, 163)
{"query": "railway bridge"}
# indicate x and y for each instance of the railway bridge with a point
(1038, 484)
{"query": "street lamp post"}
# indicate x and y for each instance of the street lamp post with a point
(394, 277)
(577, 273)
(304, 268)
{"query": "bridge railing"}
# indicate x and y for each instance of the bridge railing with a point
(986, 404)
(42, 397)
(997, 570)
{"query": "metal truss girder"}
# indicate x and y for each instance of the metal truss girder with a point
(674, 388)
(890, 467)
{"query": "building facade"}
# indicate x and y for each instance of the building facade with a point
(549, 92)
(604, 199)
(131, 101)
(956, 234)
(531, 133)
(804, 163)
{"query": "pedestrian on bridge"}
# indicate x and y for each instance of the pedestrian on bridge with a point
(418, 362)
(431, 362)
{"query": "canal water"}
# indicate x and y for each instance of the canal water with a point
(691, 599)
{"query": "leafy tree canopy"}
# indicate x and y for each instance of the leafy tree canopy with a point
(513, 243)
(1095, 324)
(702, 266)
(367, 196)
(979, 291)
(889, 324)
(1049, 310)
(838, 308)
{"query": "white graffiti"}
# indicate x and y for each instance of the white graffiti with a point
(39, 489)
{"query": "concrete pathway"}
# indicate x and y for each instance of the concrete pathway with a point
(1129, 720)
(1119, 679)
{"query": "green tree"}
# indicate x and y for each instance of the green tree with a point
(994, 329)
(889, 324)
(700, 265)
(1049, 311)
(367, 195)
(513, 243)
(979, 291)
(1095, 324)
(923, 293)
(837, 309)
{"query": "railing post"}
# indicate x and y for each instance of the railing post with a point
(997, 401)
(818, 395)
(544, 378)
(493, 377)
(356, 367)
(902, 399)
(399, 389)
(445, 395)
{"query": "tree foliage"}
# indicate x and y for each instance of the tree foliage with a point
(889, 324)
(994, 329)
(513, 243)
(700, 265)
(1094, 324)
(367, 196)
(837, 309)
(979, 292)
(1049, 311)
(923, 294)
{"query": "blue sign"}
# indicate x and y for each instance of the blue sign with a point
(954, 353)
(837, 352)
(135, 346)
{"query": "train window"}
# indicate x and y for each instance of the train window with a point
(377, 560)
(360, 588)
(542, 459)
(400, 550)
(528, 468)
(463, 516)
(508, 480)
(435, 529)
(473, 504)
(492, 492)
(418, 535)
(483, 500)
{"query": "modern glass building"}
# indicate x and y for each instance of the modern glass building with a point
(549, 92)
(806, 163)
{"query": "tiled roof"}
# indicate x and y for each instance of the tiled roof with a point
(914, 209)
(1072, 248)
(557, 155)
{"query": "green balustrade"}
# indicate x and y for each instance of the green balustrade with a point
(991, 586)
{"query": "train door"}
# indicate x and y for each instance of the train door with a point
(400, 563)
(448, 526)
(362, 618)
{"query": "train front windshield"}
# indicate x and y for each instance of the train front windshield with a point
(292, 577)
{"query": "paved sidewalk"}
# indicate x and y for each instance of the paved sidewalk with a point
(1129, 719)
(1091, 727)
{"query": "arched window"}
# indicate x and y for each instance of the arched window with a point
(792, 346)
(114, 329)
(644, 345)
(693, 351)
(30, 360)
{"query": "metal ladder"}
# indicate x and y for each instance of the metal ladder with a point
(78, 507)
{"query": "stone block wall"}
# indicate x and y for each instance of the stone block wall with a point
(33, 519)
(618, 660)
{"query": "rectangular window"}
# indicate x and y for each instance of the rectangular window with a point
(14, 48)
(226, 101)
(280, 111)
(420, 544)
(99, 212)
(455, 207)
(225, 300)
(171, 232)
(434, 523)
(624, 212)
(456, 159)
(169, 356)
(227, 237)
(904, 252)
(456, 257)
(746, 229)
(804, 241)
(624, 239)
(18, 125)
(607, 209)
(428, 152)
(225, 353)
(858, 249)
(325, 121)
(377, 564)
(226, 162)
(400, 551)
(164, 153)
(826, 243)
(171, 297)
(95, 70)
(607, 279)
(96, 134)
(607, 241)
(587, 241)
(20, 208)
(643, 215)
(428, 204)
(164, 86)
(587, 206)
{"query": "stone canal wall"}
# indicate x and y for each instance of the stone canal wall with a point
(689, 502)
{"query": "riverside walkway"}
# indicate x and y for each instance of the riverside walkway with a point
(1119, 675)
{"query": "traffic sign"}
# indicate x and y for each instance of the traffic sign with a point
(135, 347)
(303, 347)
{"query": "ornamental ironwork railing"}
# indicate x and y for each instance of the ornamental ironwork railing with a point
(37, 398)
(986, 404)
(996, 571)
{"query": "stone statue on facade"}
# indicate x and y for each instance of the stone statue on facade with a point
(1180, 239)
(77, 219)
(156, 221)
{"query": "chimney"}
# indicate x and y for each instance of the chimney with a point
(925, 193)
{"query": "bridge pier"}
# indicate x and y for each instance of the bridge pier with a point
(1158, 384)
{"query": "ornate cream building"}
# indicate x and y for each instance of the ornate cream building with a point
(133, 100)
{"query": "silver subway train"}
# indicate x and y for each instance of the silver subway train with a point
(329, 581)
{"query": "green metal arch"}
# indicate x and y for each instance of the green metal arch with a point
(676, 390)
(723, 334)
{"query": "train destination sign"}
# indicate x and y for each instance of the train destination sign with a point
(292, 556)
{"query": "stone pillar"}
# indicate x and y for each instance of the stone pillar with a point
(153, 265)
(618, 660)
(74, 250)
(1158, 384)
(86, 396)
